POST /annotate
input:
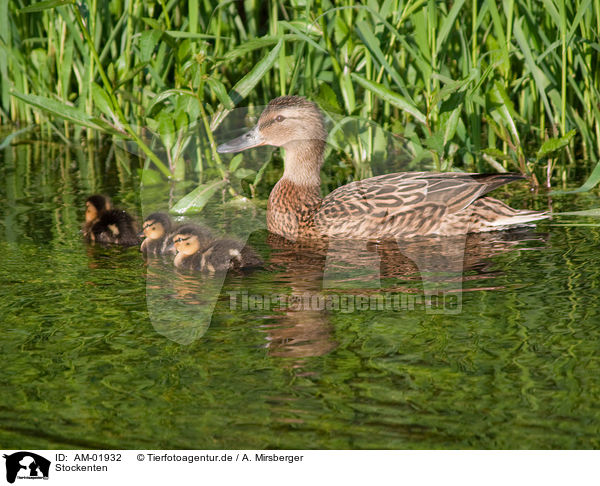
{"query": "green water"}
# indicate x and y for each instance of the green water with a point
(104, 350)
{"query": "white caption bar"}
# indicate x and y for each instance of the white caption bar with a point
(68, 467)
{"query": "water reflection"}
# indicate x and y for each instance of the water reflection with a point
(311, 280)
(300, 329)
(180, 306)
(346, 276)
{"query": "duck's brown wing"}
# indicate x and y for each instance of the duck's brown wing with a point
(403, 204)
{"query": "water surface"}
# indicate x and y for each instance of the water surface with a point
(102, 349)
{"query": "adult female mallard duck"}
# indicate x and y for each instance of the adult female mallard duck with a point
(397, 205)
(196, 252)
(103, 224)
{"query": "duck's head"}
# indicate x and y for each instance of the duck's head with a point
(286, 121)
(94, 206)
(186, 244)
(156, 226)
(190, 239)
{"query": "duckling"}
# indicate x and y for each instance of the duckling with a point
(156, 231)
(188, 241)
(103, 224)
(195, 252)
(229, 254)
(396, 205)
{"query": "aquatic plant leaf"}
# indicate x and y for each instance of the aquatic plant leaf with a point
(243, 173)
(447, 24)
(253, 45)
(389, 96)
(235, 162)
(195, 201)
(554, 144)
(102, 100)
(306, 26)
(150, 177)
(327, 99)
(591, 182)
(148, 41)
(59, 109)
(247, 83)
(585, 212)
(501, 110)
(365, 31)
(166, 129)
(6, 142)
(218, 88)
(541, 81)
(496, 153)
(45, 5)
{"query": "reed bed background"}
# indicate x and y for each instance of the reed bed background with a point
(464, 85)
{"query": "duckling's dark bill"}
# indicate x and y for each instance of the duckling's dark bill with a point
(247, 140)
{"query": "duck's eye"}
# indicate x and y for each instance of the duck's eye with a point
(280, 118)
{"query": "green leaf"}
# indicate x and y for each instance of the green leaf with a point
(389, 96)
(235, 162)
(450, 111)
(45, 5)
(554, 144)
(148, 41)
(243, 87)
(6, 142)
(497, 106)
(496, 153)
(447, 24)
(436, 142)
(176, 34)
(251, 45)
(327, 99)
(585, 212)
(167, 94)
(166, 130)
(243, 173)
(102, 100)
(150, 177)
(301, 34)
(59, 109)
(365, 31)
(591, 182)
(218, 88)
(347, 90)
(261, 171)
(195, 201)
(541, 81)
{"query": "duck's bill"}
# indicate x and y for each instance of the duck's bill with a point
(247, 140)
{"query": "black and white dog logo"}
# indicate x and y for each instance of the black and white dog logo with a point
(26, 465)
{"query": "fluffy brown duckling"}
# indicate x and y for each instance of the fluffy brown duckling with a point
(104, 224)
(186, 242)
(156, 231)
(196, 253)
(228, 254)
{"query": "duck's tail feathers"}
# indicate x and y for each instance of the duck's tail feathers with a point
(491, 215)
(521, 218)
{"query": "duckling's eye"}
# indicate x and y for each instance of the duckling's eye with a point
(280, 118)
